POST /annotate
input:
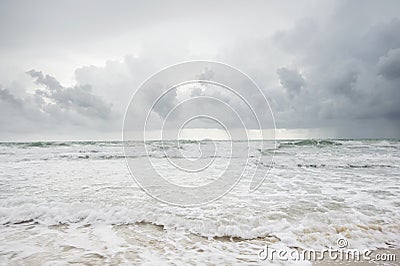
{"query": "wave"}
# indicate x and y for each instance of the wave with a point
(347, 166)
(46, 144)
(384, 143)
(239, 228)
(370, 166)
(309, 142)
(82, 215)
(40, 144)
(97, 157)
(89, 156)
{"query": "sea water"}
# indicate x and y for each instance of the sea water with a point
(76, 202)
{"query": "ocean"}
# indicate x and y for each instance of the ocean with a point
(76, 202)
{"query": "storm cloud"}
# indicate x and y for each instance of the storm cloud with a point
(53, 109)
(291, 80)
(330, 66)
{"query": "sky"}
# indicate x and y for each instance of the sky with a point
(329, 69)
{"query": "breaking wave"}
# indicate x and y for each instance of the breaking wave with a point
(309, 142)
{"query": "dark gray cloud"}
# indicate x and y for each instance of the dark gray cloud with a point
(54, 109)
(77, 99)
(351, 68)
(291, 80)
(389, 65)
